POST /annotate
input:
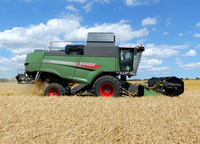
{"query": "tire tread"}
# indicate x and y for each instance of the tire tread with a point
(106, 78)
(54, 85)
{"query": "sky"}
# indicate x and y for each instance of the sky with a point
(168, 29)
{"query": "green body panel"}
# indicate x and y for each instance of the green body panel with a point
(67, 67)
(78, 68)
(117, 67)
(34, 61)
(86, 75)
(61, 70)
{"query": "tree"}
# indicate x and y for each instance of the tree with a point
(4, 80)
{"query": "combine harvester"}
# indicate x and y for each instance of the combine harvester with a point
(99, 67)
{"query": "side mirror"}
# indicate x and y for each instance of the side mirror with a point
(140, 49)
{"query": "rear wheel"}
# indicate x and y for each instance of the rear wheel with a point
(106, 86)
(54, 90)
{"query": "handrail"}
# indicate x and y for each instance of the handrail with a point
(71, 42)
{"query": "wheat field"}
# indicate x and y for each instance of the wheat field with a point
(28, 117)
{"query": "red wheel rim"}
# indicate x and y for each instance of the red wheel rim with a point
(53, 92)
(107, 90)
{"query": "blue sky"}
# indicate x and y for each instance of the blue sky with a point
(169, 30)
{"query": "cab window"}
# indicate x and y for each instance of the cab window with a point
(126, 59)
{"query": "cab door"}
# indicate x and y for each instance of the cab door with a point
(126, 59)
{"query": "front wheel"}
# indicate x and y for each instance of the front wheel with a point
(106, 86)
(54, 90)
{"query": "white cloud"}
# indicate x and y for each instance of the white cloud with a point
(154, 29)
(4, 60)
(71, 8)
(19, 51)
(78, 1)
(156, 51)
(140, 2)
(180, 34)
(88, 7)
(149, 21)
(36, 36)
(178, 61)
(133, 2)
(151, 50)
(151, 65)
(22, 40)
(165, 33)
(12, 63)
(151, 61)
(198, 24)
(191, 53)
(18, 58)
(103, 1)
(122, 31)
(198, 46)
(85, 1)
(160, 52)
(168, 21)
(196, 35)
(138, 43)
(151, 68)
(159, 69)
(4, 68)
(190, 66)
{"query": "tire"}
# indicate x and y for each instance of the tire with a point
(107, 86)
(54, 90)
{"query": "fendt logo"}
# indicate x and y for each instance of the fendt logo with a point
(88, 65)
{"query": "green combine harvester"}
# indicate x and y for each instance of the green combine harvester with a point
(96, 68)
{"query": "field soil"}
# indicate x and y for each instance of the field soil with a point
(26, 116)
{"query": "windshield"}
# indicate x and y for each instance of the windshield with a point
(136, 61)
(126, 59)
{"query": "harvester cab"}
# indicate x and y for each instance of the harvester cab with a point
(129, 59)
(98, 67)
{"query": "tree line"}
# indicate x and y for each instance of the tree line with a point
(7, 80)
